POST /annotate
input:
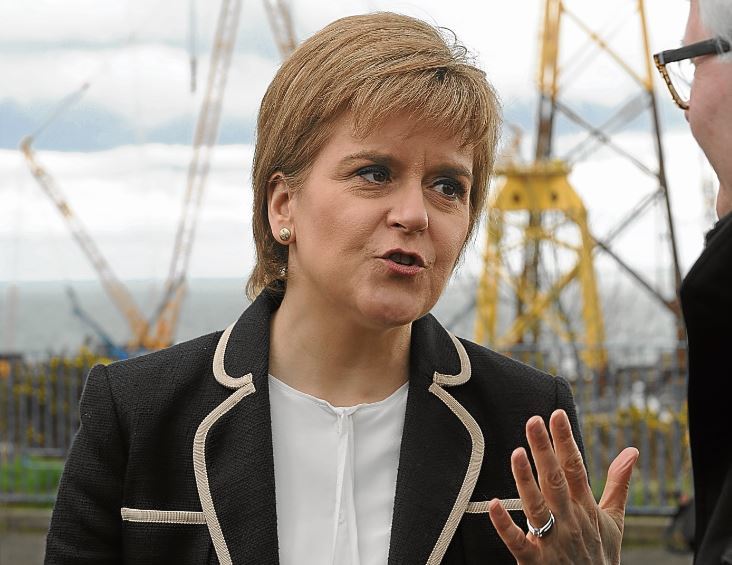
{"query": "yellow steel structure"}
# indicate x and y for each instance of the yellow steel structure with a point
(140, 335)
(541, 197)
(165, 317)
(540, 188)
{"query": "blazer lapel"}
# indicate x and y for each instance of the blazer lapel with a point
(439, 462)
(441, 451)
(233, 458)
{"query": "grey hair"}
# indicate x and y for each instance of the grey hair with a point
(716, 15)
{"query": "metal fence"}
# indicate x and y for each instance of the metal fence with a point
(638, 399)
(38, 419)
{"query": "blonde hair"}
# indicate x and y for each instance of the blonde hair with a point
(373, 66)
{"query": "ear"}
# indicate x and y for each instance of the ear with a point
(279, 200)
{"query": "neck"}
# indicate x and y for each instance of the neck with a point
(325, 354)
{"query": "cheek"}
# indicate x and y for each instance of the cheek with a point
(452, 239)
(707, 105)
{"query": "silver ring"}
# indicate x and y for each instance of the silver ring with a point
(544, 530)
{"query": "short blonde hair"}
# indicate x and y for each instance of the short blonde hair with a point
(373, 66)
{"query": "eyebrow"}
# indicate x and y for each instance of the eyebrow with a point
(448, 169)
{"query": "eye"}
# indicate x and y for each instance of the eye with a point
(374, 174)
(451, 188)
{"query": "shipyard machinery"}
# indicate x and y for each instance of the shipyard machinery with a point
(204, 140)
(537, 201)
(114, 287)
(158, 330)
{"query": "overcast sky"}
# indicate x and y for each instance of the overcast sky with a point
(135, 55)
(120, 153)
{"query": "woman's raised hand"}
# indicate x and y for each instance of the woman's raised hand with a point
(569, 526)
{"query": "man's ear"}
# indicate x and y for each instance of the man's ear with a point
(279, 200)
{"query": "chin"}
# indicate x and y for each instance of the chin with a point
(393, 313)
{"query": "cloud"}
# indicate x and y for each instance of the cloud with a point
(129, 198)
(146, 85)
(136, 53)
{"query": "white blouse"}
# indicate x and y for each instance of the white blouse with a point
(335, 476)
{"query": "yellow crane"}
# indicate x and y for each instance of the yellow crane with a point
(538, 202)
(165, 317)
(116, 290)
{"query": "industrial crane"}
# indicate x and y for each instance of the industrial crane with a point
(204, 139)
(280, 22)
(115, 289)
(165, 317)
(541, 193)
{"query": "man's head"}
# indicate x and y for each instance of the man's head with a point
(710, 106)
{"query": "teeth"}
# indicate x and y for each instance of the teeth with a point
(402, 259)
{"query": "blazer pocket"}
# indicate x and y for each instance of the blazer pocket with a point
(165, 536)
(162, 516)
(481, 540)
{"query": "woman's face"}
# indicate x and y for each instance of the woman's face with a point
(378, 224)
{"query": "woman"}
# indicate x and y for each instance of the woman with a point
(336, 421)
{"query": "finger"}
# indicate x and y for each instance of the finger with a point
(552, 481)
(615, 495)
(535, 506)
(513, 536)
(570, 459)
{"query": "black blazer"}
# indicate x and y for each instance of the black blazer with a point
(706, 297)
(173, 460)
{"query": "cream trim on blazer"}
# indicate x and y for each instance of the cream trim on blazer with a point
(162, 516)
(244, 387)
(510, 504)
(476, 454)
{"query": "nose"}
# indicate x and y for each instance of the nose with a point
(408, 211)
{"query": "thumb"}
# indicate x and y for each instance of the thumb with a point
(615, 495)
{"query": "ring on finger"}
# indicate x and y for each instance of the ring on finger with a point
(544, 530)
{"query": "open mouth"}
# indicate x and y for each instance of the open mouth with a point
(403, 259)
(406, 259)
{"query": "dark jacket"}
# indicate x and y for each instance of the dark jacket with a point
(706, 298)
(173, 461)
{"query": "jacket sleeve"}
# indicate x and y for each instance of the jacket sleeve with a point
(86, 526)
